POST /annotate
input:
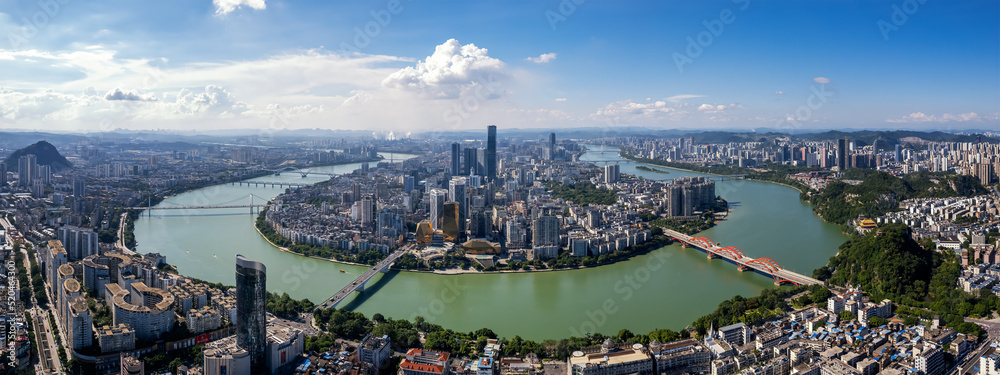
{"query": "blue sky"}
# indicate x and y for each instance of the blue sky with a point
(93, 66)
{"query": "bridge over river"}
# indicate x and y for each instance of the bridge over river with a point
(359, 283)
(763, 265)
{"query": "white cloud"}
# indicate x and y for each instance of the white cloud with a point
(224, 7)
(946, 117)
(214, 100)
(822, 80)
(131, 95)
(450, 72)
(659, 112)
(779, 92)
(543, 58)
(560, 99)
(677, 98)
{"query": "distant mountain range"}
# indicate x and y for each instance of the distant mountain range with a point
(185, 140)
(45, 153)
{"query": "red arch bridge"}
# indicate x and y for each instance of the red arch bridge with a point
(763, 265)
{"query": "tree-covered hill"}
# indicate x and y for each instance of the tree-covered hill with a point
(886, 263)
(880, 192)
(45, 153)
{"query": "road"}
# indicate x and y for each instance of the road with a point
(48, 353)
(992, 328)
(120, 244)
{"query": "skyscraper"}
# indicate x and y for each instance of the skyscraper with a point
(27, 168)
(612, 173)
(491, 152)
(449, 222)
(899, 153)
(469, 167)
(456, 157)
(552, 146)
(842, 154)
(457, 193)
(481, 162)
(79, 187)
(437, 199)
(251, 321)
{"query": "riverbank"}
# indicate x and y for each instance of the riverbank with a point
(656, 243)
(748, 177)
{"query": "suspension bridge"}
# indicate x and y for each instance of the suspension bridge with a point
(762, 265)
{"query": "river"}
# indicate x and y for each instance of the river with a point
(666, 288)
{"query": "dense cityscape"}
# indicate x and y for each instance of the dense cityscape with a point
(93, 304)
(543, 187)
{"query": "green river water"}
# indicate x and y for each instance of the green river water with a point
(666, 288)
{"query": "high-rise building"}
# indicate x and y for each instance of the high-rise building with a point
(27, 170)
(479, 223)
(457, 193)
(686, 194)
(437, 199)
(456, 158)
(78, 242)
(552, 146)
(3, 175)
(612, 173)
(408, 183)
(469, 164)
(842, 154)
(79, 187)
(898, 155)
(449, 222)
(491, 152)
(545, 231)
(367, 211)
(251, 321)
(481, 162)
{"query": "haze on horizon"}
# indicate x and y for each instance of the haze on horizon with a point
(400, 65)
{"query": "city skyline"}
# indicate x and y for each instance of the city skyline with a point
(257, 64)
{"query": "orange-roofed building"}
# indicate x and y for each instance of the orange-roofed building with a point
(424, 362)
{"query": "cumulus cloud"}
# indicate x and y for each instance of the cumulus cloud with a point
(779, 92)
(946, 117)
(451, 71)
(658, 112)
(632, 108)
(560, 99)
(822, 80)
(130, 95)
(677, 98)
(543, 58)
(214, 99)
(224, 7)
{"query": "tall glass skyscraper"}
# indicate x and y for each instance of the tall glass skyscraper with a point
(491, 152)
(251, 321)
(456, 165)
